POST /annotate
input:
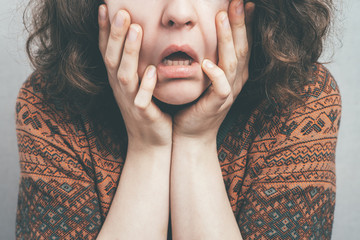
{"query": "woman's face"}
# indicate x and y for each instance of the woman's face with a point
(178, 36)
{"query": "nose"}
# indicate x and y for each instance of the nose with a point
(179, 14)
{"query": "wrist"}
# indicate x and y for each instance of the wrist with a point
(196, 140)
(141, 151)
(192, 147)
(142, 141)
(140, 146)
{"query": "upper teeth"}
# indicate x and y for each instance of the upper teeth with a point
(177, 62)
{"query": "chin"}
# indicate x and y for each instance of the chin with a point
(180, 92)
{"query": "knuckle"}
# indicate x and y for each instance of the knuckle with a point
(224, 94)
(147, 88)
(232, 66)
(140, 108)
(116, 34)
(130, 51)
(226, 38)
(243, 50)
(219, 73)
(240, 23)
(122, 78)
(143, 113)
(228, 103)
(110, 63)
(103, 27)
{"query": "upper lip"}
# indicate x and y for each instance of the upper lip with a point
(177, 48)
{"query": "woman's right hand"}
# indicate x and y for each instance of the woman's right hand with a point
(119, 43)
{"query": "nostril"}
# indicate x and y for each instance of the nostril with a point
(172, 23)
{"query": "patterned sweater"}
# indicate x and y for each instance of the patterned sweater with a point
(279, 171)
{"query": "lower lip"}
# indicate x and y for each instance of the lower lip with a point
(168, 72)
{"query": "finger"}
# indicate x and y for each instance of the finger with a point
(227, 56)
(104, 28)
(238, 27)
(220, 90)
(241, 16)
(249, 16)
(115, 43)
(127, 73)
(144, 96)
(143, 100)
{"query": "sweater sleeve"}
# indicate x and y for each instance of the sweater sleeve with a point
(57, 198)
(291, 171)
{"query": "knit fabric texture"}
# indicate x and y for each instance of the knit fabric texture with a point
(278, 170)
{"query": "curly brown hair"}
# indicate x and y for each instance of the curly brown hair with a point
(289, 37)
(63, 47)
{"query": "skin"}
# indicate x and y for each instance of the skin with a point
(174, 22)
(172, 160)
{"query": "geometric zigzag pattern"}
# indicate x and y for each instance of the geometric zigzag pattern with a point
(40, 216)
(279, 171)
(296, 213)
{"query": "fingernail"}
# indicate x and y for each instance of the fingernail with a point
(225, 21)
(151, 72)
(133, 33)
(208, 64)
(239, 7)
(119, 21)
(102, 13)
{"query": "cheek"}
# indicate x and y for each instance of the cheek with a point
(136, 15)
(209, 33)
(147, 57)
(115, 6)
(112, 7)
(136, 8)
(210, 41)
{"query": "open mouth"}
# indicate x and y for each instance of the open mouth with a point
(178, 62)
(178, 58)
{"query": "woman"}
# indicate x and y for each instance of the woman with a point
(148, 110)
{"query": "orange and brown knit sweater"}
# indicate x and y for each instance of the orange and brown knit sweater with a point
(279, 171)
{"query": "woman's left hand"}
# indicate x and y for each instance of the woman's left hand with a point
(203, 119)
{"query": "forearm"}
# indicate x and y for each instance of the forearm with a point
(200, 208)
(140, 208)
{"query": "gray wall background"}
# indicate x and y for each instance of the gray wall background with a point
(14, 68)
